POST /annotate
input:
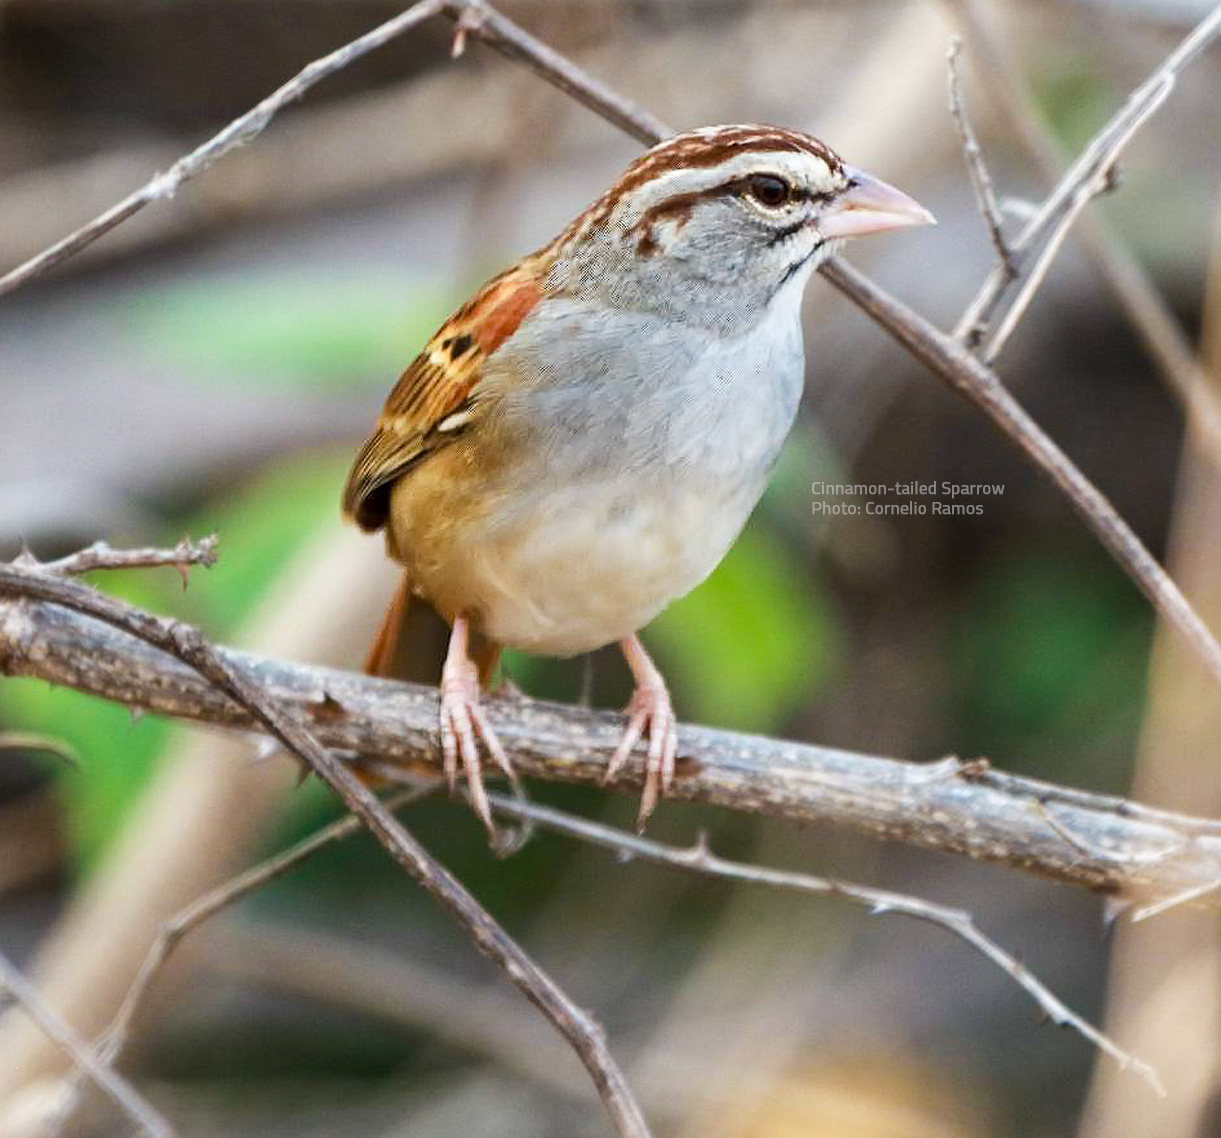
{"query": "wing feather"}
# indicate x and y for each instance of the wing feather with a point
(436, 397)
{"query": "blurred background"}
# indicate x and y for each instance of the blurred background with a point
(212, 366)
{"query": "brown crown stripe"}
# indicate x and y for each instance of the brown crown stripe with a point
(701, 151)
(697, 151)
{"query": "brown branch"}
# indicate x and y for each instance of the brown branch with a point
(183, 557)
(239, 132)
(697, 860)
(475, 17)
(128, 1099)
(1098, 842)
(977, 168)
(227, 675)
(700, 860)
(1150, 316)
(952, 363)
(110, 1044)
(1079, 182)
(1094, 182)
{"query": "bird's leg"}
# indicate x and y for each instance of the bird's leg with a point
(462, 717)
(650, 707)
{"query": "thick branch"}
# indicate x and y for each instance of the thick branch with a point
(247, 692)
(1083, 839)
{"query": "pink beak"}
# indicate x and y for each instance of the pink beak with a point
(870, 205)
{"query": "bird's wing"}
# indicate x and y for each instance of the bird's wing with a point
(435, 397)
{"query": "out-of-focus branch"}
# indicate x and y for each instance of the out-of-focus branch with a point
(1147, 311)
(226, 675)
(698, 860)
(242, 130)
(702, 861)
(473, 17)
(128, 1099)
(114, 1039)
(1084, 839)
(977, 168)
(979, 385)
(1083, 179)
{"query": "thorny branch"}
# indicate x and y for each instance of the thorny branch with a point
(701, 860)
(697, 860)
(183, 557)
(110, 1044)
(1102, 860)
(129, 1100)
(226, 674)
(938, 352)
(1098, 842)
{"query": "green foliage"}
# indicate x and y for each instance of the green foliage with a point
(285, 331)
(260, 529)
(1075, 102)
(1052, 653)
(751, 643)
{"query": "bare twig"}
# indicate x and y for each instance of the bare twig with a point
(700, 860)
(1093, 164)
(1093, 183)
(963, 808)
(183, 557)
(228, 675)
(128, 1099)
(237, 133)
(1156, 326)
(477, 19)
(977, 169)
(514, 42)
(110, 1044)
(1186, 897)
(979, 385)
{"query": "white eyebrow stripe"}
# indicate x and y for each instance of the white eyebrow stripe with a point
(798, 166)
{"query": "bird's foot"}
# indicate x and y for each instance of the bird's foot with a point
(462, 721)
(649, 708)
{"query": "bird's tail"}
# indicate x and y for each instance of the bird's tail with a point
(411, 641)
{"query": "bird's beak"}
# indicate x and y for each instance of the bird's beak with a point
(870, 205)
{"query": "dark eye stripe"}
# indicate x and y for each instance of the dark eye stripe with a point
(680, 205)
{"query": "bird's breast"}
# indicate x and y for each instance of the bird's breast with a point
(622, 475)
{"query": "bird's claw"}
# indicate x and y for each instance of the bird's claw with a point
(462, 719)
(650, 707)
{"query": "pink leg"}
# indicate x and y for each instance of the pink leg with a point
(462, 718)
(650, 706)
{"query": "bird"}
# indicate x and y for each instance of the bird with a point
(582, 441)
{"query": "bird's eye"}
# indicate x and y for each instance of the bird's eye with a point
(769, 190)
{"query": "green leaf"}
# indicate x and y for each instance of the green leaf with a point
(285, 331)
(260, 528)
(753, 642)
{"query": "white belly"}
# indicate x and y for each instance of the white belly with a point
(589, 566)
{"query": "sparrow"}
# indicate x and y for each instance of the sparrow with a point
(582, 441)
